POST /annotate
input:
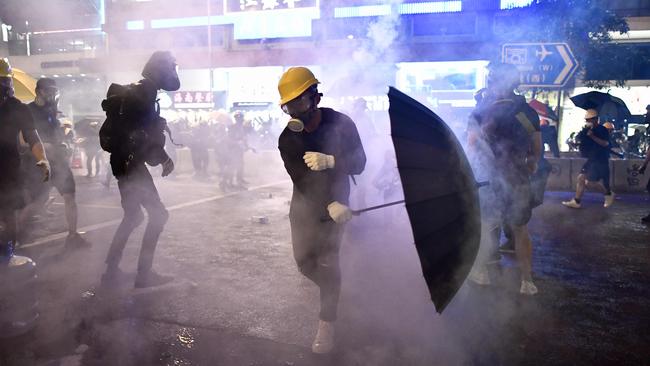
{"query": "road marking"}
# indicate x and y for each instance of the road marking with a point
(91, 205)
(93, 227)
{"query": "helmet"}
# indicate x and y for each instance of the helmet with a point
(591, 113)
(161, 68)
(5, 68)
(294, 82)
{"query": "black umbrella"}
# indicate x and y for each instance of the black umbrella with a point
(441, 195)
(609, 107)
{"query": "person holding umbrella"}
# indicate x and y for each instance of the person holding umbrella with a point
(594, 145)
(320, 148)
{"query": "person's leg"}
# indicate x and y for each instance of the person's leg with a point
(133, 217)
(524, 251)
(89, 162)
(580, 186)
(158, 216)
(71, 212)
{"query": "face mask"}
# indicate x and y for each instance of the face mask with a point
(170, 82)
(300, 109)
(50, 97)
(589, 125)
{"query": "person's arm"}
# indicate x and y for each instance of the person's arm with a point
(598, 140)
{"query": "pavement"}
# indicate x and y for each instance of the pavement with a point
(238, 298)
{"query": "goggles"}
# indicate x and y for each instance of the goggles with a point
(299, 105)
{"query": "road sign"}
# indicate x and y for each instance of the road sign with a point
(545, 65)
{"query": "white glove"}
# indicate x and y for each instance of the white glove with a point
(45, 167)
(339, 212)
(318, 161)
(168, 167)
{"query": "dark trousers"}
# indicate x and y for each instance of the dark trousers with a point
(138, 190)
(317, 257)
(8, 234)
(93, 153)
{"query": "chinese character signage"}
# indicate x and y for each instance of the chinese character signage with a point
(256, 5)
(190, 100)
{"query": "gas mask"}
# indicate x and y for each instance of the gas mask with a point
(163, 71)
(50, 97)
(169, 80)
(589, 125)
(6, 89)
(301, 110)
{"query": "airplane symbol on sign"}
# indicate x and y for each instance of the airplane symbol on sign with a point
(543, 53)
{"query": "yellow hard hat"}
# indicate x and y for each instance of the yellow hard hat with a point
(294, 82)
(5, 68)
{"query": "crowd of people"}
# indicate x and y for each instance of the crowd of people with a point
(321, 149)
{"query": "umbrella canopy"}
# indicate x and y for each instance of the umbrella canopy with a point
(609, 107)
(543, 110)
(441, 195)
(24, 86)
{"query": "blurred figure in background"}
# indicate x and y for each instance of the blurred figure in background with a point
(198, 145)
(16, 120)
(88, 132)
(44, 111)
(594, 145)
(642, 169)
(238, 143)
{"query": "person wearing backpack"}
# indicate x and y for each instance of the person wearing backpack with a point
(133, 133)
(506, 131)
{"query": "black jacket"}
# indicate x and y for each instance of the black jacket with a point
(313, 191)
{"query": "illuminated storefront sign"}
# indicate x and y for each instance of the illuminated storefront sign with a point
(254, 5)
(187, 100)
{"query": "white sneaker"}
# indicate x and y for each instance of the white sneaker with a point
(479, 277)
(572, 203)
(609, 200)
(528, 288)
(324, 341)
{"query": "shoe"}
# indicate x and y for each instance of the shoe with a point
(572, 203)
(609, 200)
(151, 279)
(646, 219)
(528, 288)
(324, 341)
(479, 277)
(507, 247)
(76, 241)
(112, 277)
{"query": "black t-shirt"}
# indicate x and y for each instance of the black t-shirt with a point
(48, 126)
(590, 148)
(14, 119)
(336, 135)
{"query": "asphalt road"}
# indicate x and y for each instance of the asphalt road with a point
(238, 298)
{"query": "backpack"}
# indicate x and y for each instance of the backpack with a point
(120, 111)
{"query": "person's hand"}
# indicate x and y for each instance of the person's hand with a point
(339, 212)
(168, 167)
(642, 168)
(318, 161)
(44, 165)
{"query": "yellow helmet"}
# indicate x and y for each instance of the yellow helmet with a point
(5, 68)
(294, 82)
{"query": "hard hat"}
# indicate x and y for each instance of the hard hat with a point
(608, 125)
(294, 82)
(591, 113)
(5, 68)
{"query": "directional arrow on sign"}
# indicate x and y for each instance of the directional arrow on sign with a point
(546, 65)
